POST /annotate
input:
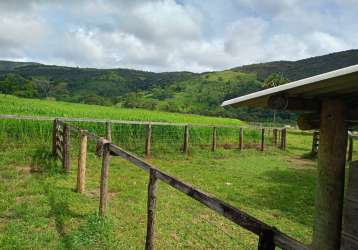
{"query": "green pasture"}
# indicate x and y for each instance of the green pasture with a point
(39, 208)
(35, 107)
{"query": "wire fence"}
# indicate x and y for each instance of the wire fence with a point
(268, 237)
(164, 137)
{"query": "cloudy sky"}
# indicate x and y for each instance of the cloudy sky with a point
(167, 35)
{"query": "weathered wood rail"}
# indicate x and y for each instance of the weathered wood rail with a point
(269, 237)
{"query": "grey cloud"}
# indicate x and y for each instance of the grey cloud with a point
(167, 35)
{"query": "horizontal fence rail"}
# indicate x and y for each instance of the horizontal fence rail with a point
(269, 237)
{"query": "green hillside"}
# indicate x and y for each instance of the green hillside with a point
(296, 70)
(182, 92)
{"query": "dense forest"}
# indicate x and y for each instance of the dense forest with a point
(183, 92)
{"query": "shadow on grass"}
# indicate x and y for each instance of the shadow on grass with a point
(309, 156)
(42, 161)
(289, 192)
(74, 229)
(59, 209)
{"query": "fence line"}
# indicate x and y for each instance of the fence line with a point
(213, 144)
(269, 237)
(72, 119)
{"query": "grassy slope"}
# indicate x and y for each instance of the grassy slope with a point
(196, 93)
(22, 106)
(38, 208)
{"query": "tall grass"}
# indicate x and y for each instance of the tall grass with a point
(129, 136)
(22, 106)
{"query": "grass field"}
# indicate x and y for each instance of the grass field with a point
(22, 106)
(131, 137)
(40, 210)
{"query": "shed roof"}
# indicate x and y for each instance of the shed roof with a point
(340, 84)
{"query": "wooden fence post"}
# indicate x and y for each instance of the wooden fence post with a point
(241, 139)
(315, 143)
(82, 157)
(186, 140)
(213, 142)
(274, 136)
(350, 148)
(103, 200)
(262, 139)
(149, 243)
(148, 141)
(266, 241)
(279, 136)
(284, 138)
(66, 148)
(109, 131)
(54, 137)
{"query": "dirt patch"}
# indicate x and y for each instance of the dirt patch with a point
(24, 169)
(94, 193)
(298, 162)
(27, 169)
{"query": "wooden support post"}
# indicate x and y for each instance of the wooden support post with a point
(186, 140)
(149, 243)
(66, 149)
(350, 148)
(213, 141)
(82, 157)
(274, 132)
(109, 131)
(266, 240)
(241, 139)
(148, 141)
(262, 139)
(330, 181)
(103, 202)
(54, 137)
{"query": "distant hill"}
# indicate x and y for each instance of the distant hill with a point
(183, 92)
(296, 70)
(8, 65)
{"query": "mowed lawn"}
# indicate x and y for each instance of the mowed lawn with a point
(40, 210)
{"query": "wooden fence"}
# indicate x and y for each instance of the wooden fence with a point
(278, 135)
(350, 144)
(269, 237)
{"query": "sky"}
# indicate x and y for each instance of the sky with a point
(169, 35)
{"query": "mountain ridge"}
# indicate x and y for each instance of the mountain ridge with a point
(185, 92)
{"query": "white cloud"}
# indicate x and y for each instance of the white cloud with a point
(164, 35)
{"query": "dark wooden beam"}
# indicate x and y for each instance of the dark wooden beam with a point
(280, 102)
(353, 113)
(309, 121)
